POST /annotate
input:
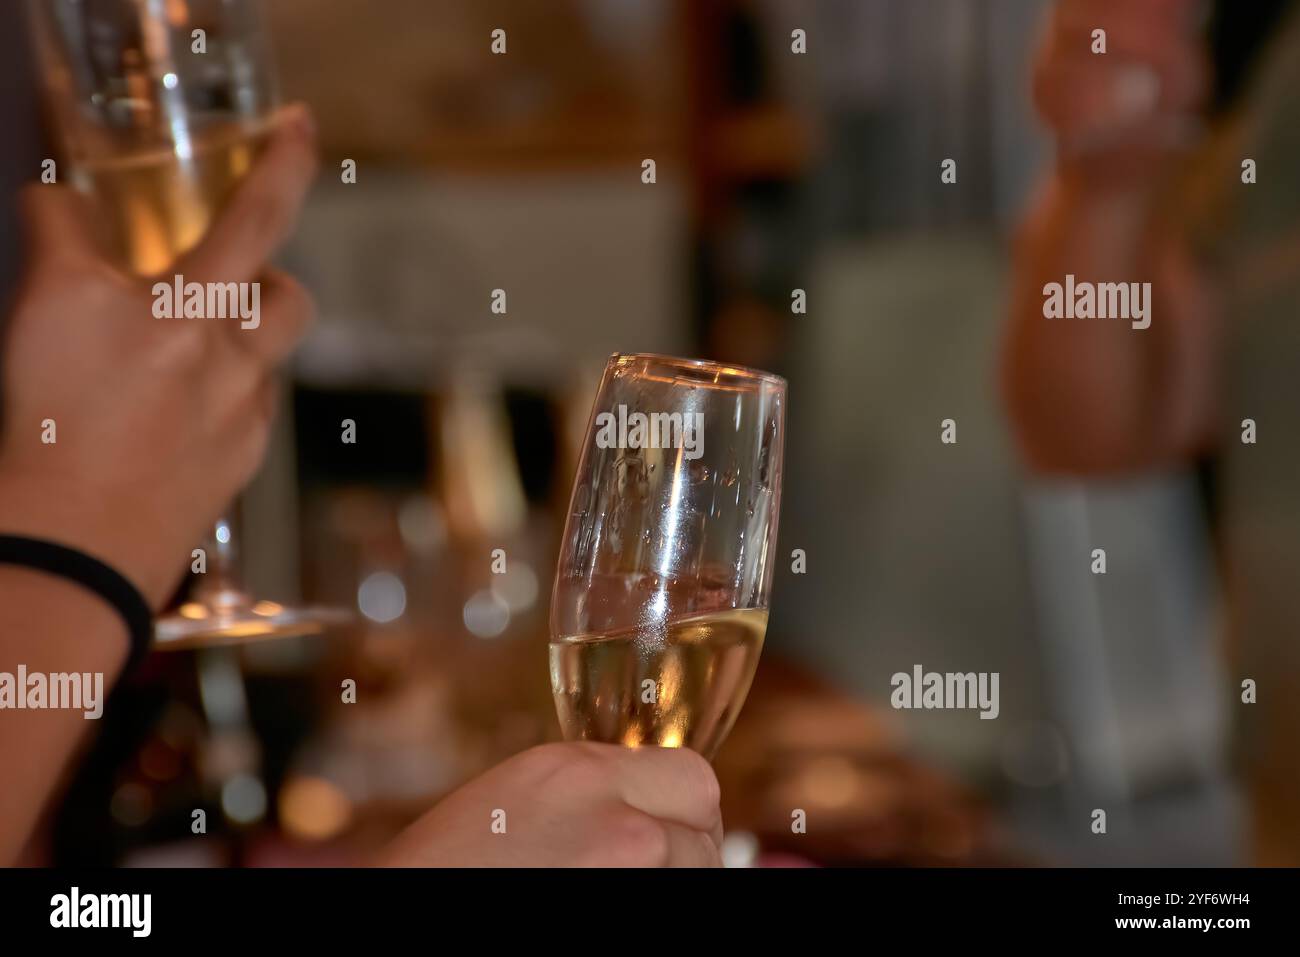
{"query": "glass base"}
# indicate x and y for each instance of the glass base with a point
(231, 618)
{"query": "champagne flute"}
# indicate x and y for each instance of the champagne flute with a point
(665, 571)
(162, 107)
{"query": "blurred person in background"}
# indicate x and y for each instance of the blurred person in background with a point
(1151, 137)
(159, 425)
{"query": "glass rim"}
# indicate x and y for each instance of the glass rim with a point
(719, 369)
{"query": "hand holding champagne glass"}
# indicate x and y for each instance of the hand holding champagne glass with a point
(164, 109)
(662, 588)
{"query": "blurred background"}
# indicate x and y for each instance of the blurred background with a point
(775, 172)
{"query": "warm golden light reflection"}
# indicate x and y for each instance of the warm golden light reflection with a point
(670, 683)
(697, 372)
(178, 13)
(193, 610)
(830, 782)
(314, 809)
(248, 629)
(267, 608)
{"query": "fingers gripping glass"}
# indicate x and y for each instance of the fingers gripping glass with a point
(163, 106)
(661, 592)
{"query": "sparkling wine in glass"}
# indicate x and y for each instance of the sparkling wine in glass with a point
(665, 571)
(162, 107)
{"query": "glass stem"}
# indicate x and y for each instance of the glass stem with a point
(221, 585)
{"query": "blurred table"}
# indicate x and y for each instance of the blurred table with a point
(800, 745)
